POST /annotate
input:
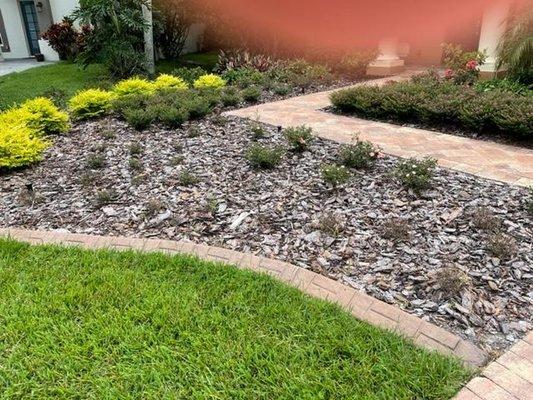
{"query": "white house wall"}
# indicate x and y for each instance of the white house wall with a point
(14, 30)
(62, 8)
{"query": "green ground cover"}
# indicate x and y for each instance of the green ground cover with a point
(78, 324)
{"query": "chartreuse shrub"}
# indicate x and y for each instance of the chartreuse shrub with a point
(20, 145)
(134, 85)
(165, 81)
(91, 103)
(209, 81)
(39, 114)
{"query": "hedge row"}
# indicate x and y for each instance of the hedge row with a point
(440, 102)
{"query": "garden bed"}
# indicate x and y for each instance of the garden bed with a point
(195, 183)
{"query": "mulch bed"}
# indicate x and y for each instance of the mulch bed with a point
(290, 214)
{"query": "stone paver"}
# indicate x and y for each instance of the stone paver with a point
(509, 377)
(9, 66)
(490, 160)
(359, 304)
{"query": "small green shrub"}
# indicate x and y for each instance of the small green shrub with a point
(281, 89)
(230, 97)
(173, 117)
(91, 103)
(252, 94)
(132, 101)
(356, 63)
(139, 119)
(95, 161)
(244, 77)
(299, 137)
(135, 164)
(187, 178)
(416, 174)
(198, 107)
(135, 149)
(335, 175)
(264, 157)
(189, 75)
(209, 81)
(361, 154)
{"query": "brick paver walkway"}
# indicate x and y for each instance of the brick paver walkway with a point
(509, 377)
(491, 160)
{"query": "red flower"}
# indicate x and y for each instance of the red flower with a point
(449, 73)
(472, 64)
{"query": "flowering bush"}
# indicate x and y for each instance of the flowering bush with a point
(91, 103)
(361, 154)
(416, 174)
(165, 81)
(209, 81)
(19, 145)
(335, 175)
(461, 66)
(134, 85)
(299, 137)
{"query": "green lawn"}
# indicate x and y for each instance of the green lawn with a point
(207, 61)
(66, 77)
(77, 324)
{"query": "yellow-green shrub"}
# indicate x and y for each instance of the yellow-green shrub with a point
(20, 145)
(40, 115)
(166, 81)
(209, 81)
(134, 85)
(91, 103)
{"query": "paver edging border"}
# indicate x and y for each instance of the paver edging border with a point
(360, 305)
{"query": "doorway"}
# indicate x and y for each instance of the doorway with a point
(29, 16)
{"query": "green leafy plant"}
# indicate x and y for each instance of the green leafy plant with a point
(95, 161)
(230, 96)
(173, 117)
(135, 85)
(264, 157)
(189, 75)
(462, 66)
(335, 175)
(355, 63)
(515, 51)
(40, 115)
(361, 154)
(299, 137)
(416, 174)
(116, 39)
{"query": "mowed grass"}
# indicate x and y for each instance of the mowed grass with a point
(78, 324)
(62, 76)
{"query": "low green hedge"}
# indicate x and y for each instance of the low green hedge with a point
(440, 102)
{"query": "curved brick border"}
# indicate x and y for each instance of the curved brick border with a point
(358, 304)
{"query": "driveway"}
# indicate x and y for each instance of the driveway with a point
(8, 66)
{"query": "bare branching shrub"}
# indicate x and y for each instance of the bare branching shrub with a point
(502, 246)
(452, 280)
(395, 229)
(484, 219)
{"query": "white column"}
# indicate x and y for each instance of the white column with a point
(388, 62)
(492, 29)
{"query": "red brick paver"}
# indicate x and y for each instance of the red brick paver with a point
(359, 304)
(491, 160)
(509, 377)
